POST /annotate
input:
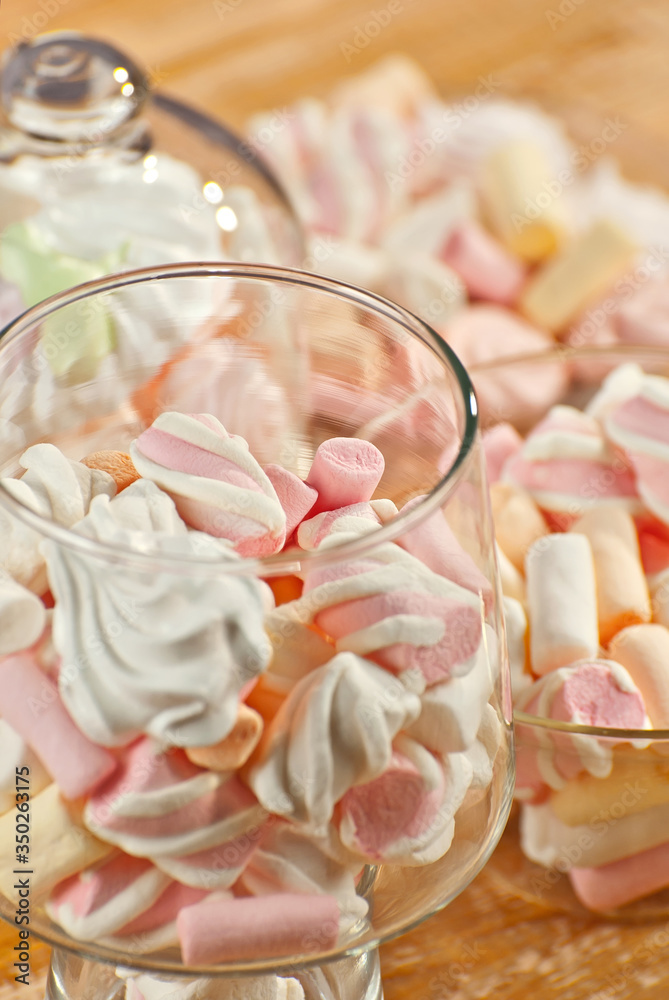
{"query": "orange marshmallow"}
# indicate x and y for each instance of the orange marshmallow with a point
(518, 522)
(234, 749)
(117, 464)
(622, 591)
(644, 652)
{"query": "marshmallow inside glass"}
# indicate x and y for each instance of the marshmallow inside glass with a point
(253, 684)
(581, 508)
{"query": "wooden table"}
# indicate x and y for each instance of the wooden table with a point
(585, 59)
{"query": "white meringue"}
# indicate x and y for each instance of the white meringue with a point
(334, 731)
(163, 654)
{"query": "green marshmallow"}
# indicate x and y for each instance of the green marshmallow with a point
(77, 335)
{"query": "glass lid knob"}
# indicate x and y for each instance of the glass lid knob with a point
(70, 88)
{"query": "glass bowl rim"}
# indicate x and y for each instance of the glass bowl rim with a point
(291, 560)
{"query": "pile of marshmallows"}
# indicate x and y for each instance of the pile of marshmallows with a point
(581, 509)
(480, 216)
(215, 758)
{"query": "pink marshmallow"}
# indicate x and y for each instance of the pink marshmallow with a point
(624, 881)
(500, 443)
(395, 805)
(98, 901)
(434, 543)
(482, 334)
(344, 471)
(216, 484)
(581, 470)
(258, 927)
(314, 530)
(32, 702)
(487, 269)
(165, 909)
(294, 495)
(196, 826)
(597, 693)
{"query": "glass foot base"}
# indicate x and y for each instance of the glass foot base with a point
(74, 978)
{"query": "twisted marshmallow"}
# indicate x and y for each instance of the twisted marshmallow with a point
(215, 482)
(197, 826)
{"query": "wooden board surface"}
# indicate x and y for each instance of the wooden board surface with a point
(588, 60)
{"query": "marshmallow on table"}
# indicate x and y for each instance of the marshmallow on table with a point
(406, 815)
(262, 927)
(518, 521)
(624, 881)
(513, 584)
(561, 600)
(622, 591)
(344, 471)
(425, 286)
(356, 708)
(31, 700)
(551, 843)
(488, 270)
(567, 466)
(234, 749)
(644, 318)
(513, 175)
(483, 334)
(215, 482)
(640, 426)
(595, 694)
(499, 444)
(577, 276)
(395, 82)
(644, 652)
(60, 845)
(22, 616)
(515, 621)
(638, 780)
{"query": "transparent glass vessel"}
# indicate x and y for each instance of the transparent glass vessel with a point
(287, 360)
(562, 843)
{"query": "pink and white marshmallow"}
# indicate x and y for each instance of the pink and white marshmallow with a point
(215, 482)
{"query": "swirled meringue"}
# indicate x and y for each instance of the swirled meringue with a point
(333, 732)
(55, 488)
(215, 482)
(164, 654)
